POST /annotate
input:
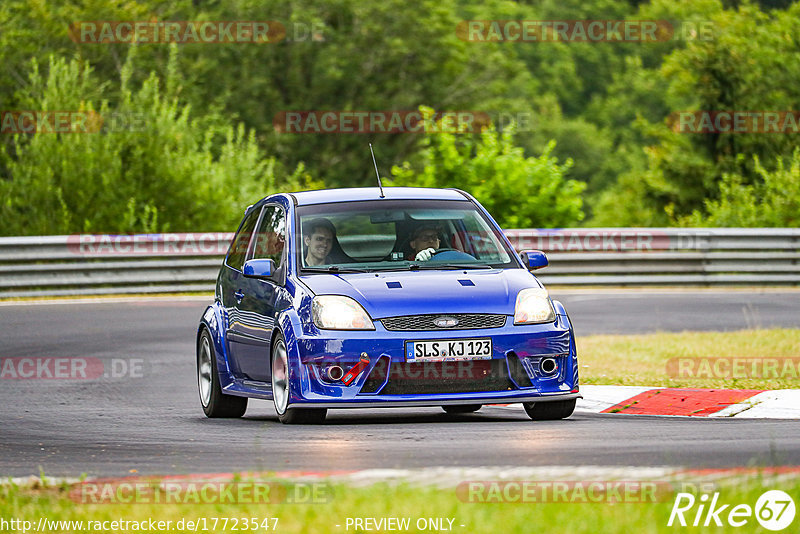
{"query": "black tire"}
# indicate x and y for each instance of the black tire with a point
(549, 411)
(214, 402)
(281, 390)
(307, 416)
(461, 408)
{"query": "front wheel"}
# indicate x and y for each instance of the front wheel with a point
(549, 411)
(281, 390)
(214, 402)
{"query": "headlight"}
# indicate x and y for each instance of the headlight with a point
(533, 306)
(335, 312)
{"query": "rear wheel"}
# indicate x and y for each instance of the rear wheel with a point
(214, 402)
(549, 411)
(281, 391)
(461, 408)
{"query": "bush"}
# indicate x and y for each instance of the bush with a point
(519, 191)
(773, 201)
(171, 172)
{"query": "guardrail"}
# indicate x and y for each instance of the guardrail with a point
(158, 263)
(666, 256)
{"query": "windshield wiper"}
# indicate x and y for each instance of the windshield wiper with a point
(451, 266)
(334, 269)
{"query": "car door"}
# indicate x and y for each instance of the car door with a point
(232, 285)
(256, 309)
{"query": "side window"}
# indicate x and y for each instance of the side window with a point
(271, 235)
(241, 242)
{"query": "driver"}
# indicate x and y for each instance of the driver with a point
(319, 236)
(424, 242)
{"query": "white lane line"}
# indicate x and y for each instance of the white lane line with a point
(777, 404)
(110, 300)
(554, 289)
(598, 398)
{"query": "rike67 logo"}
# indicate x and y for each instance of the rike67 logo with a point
(774, 510)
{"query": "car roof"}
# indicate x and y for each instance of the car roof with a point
(354, 194)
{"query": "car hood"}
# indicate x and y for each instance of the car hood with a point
(392, 294)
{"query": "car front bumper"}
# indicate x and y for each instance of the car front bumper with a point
(513, 374)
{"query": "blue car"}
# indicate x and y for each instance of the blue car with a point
(356, 298)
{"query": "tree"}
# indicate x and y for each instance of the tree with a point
(155, 168)
(772, 201)
(748, 64)
(519, 191)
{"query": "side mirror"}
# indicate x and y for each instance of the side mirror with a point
(534, 259)
(258, 268)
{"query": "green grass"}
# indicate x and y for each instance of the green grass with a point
(641, 360)
(401, 501)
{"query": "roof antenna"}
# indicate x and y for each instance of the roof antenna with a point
(376, 170)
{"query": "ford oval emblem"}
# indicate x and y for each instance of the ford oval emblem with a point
(445, 322)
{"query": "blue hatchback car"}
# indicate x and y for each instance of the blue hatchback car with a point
(351, 298)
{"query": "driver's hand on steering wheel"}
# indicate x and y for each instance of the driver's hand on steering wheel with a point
(425, 255)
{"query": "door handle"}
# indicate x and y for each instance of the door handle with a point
(239, 296)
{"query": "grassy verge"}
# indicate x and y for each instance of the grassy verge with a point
(644, 359)
(382, 501)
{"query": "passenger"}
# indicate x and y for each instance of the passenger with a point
(318, 237)
(424, 242)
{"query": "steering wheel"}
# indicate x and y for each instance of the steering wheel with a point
(451, 254)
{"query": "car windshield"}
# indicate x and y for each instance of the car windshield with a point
(398, 235)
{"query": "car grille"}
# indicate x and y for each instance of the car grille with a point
(408, 378)
(466, 321)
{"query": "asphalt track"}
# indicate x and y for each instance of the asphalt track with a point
(151, 421)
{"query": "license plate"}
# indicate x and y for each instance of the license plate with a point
(449, 350)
